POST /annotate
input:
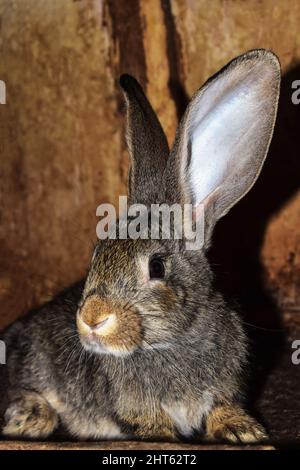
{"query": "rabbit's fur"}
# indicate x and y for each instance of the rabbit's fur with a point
(172, 361)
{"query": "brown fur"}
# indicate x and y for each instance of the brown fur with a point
(152, 426)
(29, 415)
(231, 423)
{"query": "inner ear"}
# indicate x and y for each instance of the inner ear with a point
(224, 134)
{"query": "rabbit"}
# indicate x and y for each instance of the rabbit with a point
(145, 347)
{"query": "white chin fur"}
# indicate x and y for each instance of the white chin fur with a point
(97, 348)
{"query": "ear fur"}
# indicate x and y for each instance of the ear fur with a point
(147, 144)
(224, 136)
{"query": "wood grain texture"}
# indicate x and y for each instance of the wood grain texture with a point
(62, 148)
(125, 445)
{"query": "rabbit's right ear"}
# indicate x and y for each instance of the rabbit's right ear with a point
(147, 144)
(224, 136)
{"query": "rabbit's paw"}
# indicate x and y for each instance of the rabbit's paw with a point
(29, 415)
(233, 424)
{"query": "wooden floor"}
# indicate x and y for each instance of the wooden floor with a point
(125, 445)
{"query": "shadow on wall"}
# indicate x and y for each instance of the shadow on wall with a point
(239, 237)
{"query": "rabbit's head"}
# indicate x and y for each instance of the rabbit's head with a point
(145, 293)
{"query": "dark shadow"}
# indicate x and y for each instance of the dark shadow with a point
(174, 48)
(239, 236)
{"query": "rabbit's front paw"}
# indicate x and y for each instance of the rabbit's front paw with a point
(232, 424)
(30, 416)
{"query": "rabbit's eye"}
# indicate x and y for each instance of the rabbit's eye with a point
(156, 269)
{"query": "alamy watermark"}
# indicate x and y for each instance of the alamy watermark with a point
(296, 94)
(156, 222)
(2, 92)
(296, 354)
(2, 352)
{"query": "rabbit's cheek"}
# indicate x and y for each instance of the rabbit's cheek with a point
(127, 336)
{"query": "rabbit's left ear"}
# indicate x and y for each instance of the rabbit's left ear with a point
(224, 136)
(147, 144)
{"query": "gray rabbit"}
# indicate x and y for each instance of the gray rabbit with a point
(145, 348)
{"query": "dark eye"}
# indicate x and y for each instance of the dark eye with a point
(156, 269)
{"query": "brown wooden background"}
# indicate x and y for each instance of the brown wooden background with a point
(62, 148)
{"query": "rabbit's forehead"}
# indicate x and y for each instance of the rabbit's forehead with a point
(123, 263)
(121, 252)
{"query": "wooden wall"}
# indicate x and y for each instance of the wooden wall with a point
(62, 148)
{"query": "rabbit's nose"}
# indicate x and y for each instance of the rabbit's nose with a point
(104, 325)
(96, 316)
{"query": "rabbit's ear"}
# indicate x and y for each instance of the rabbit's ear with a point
(223, 138)
(147, 144)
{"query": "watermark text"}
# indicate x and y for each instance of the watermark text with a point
(2, 352)
(156, 222)
(2, 92)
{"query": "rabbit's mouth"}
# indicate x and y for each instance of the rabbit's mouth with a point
(95, 346)
(107, 328)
